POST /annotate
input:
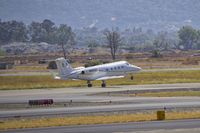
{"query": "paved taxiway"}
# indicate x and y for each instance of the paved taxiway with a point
(176, 126)
(95, 109)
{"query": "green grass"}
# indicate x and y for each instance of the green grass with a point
(46, 81)
(170, 94)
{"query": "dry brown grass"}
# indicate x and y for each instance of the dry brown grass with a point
(190, 61)
(85, 120)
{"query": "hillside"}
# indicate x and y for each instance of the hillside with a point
(154, 14)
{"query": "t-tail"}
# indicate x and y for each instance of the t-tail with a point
(64, 68)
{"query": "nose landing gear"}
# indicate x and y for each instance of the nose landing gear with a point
(132, 77)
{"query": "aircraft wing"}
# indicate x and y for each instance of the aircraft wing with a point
(110, 77)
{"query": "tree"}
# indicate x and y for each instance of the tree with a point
(36, 32)
(188, 37)
(65, 38)
(12, 31)
(4, 34)
(18, 31)
(2, 53)
(113, 40)
(43, 32)
(92, 45)
(50, 31)
(162, 41)
(198, 40)
(48, 25)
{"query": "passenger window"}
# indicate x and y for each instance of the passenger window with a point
(93, 70)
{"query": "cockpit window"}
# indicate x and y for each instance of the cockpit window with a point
(127, 64)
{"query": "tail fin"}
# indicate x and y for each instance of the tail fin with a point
(64, 68)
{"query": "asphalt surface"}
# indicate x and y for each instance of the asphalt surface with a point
(95, 109)
(124, 104)
(176, 126)
(83, 95)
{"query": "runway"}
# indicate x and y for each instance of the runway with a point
(81, 94)
(84, 95)
(175, 126)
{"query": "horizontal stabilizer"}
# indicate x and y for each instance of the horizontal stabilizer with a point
(57, 77)
(55, 74)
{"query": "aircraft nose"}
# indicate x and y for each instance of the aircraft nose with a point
(138, 68)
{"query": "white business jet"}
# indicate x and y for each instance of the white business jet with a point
(99, 72)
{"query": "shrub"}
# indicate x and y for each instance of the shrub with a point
(190, 61)
(156, 54)
(129, 56)
(52, 65)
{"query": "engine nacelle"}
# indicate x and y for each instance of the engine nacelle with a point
(82, 72)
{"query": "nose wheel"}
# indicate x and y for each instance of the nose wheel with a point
(89, 83)
(132, 77)
(103, 85)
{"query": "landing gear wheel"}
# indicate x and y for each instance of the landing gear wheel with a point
(103, 85)
(132, 78)
(89, 85)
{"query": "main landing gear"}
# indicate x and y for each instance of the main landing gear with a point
(89, 83)
(103, 85)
